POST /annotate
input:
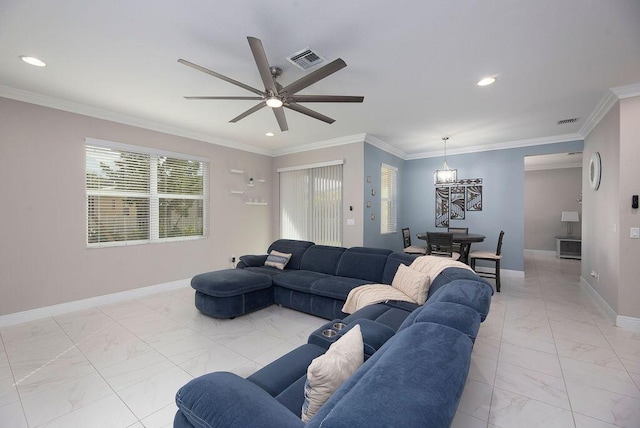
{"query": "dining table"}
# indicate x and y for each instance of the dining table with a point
(464, 239)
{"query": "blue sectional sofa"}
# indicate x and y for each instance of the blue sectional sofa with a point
(417, 357)
(316, 280)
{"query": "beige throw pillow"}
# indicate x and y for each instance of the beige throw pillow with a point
(327, 372)
(412, 283)
(277, 259)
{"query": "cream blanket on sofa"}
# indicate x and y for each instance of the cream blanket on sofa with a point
(370, 294)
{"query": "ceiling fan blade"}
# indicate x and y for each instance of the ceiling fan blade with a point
(309, 112)
(248, 112)
(282, 121)
(326, 99)
(315, 76)
(263, 65)
(220, 76)
(223, 98)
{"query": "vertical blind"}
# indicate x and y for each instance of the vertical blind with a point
(135, 195)
(311, 204)
(388, 199)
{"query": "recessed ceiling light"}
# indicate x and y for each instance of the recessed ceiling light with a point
(33, 61)
(486, 81)
(269, 134)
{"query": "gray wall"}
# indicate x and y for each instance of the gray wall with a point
(43, 256)
(502, 172)
(547, 193)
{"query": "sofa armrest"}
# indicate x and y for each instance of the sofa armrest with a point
(223, 399)
(251, 261)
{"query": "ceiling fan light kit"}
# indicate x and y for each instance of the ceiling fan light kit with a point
(274, 94)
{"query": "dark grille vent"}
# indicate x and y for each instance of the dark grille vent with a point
(565, 121)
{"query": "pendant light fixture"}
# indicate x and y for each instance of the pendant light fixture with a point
(445, 175)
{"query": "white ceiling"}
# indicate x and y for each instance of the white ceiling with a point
(415, 62)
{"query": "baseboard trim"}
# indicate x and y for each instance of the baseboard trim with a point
(541, 252)
(78, 305)
(630, 323)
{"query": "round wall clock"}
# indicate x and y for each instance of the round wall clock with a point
(595, 171)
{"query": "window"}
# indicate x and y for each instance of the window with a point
(311, 203)
(388, 199)
(138, 195)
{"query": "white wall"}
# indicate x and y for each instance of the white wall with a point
(43, 256)
(547, 193)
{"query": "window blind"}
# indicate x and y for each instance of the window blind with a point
(388, 199)
(138, 196)
(311, 204)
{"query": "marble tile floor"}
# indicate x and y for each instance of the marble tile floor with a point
(545, 357)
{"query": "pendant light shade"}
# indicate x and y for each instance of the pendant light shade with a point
(445, 175)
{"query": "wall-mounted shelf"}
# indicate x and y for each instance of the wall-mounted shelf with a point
(257, 203)
(236, 171)
(236, 192)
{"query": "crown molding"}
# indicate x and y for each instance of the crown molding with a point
(98, 113)
(627, 91)
(340, 141)
(608, 100)
(500, 146)
(554, 166)
(376, 142)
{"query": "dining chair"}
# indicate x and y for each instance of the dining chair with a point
(458, 247)
(441, 244)
(408, 248)
(491, 257)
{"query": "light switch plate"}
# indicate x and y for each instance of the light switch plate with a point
(634, 233)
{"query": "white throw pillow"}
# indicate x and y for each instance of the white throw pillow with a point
(277, 259)
(412, 283)
(327, 372)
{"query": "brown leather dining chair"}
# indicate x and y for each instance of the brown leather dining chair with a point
(441, 244)
(408, 248)
(491, 257)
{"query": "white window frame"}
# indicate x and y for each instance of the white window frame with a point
(388, 199)
(153, 195)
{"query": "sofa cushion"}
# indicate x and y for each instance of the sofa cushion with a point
(277, 376)
(461, 317)
(472, 293)
(423, 390)
(322, 258)
(327, 372)
(451, 274)
(299, 280)
(336, 287)
(229, 282)
(224, 399)
(294, 247)
(393, 261)
(363, 263)
(277, 259)
(412, 283)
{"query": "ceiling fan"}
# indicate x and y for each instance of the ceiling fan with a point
(275, 95)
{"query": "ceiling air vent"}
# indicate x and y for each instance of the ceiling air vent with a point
(306, 58)
(566, 121)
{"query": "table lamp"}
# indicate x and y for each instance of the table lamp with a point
(570, 217)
